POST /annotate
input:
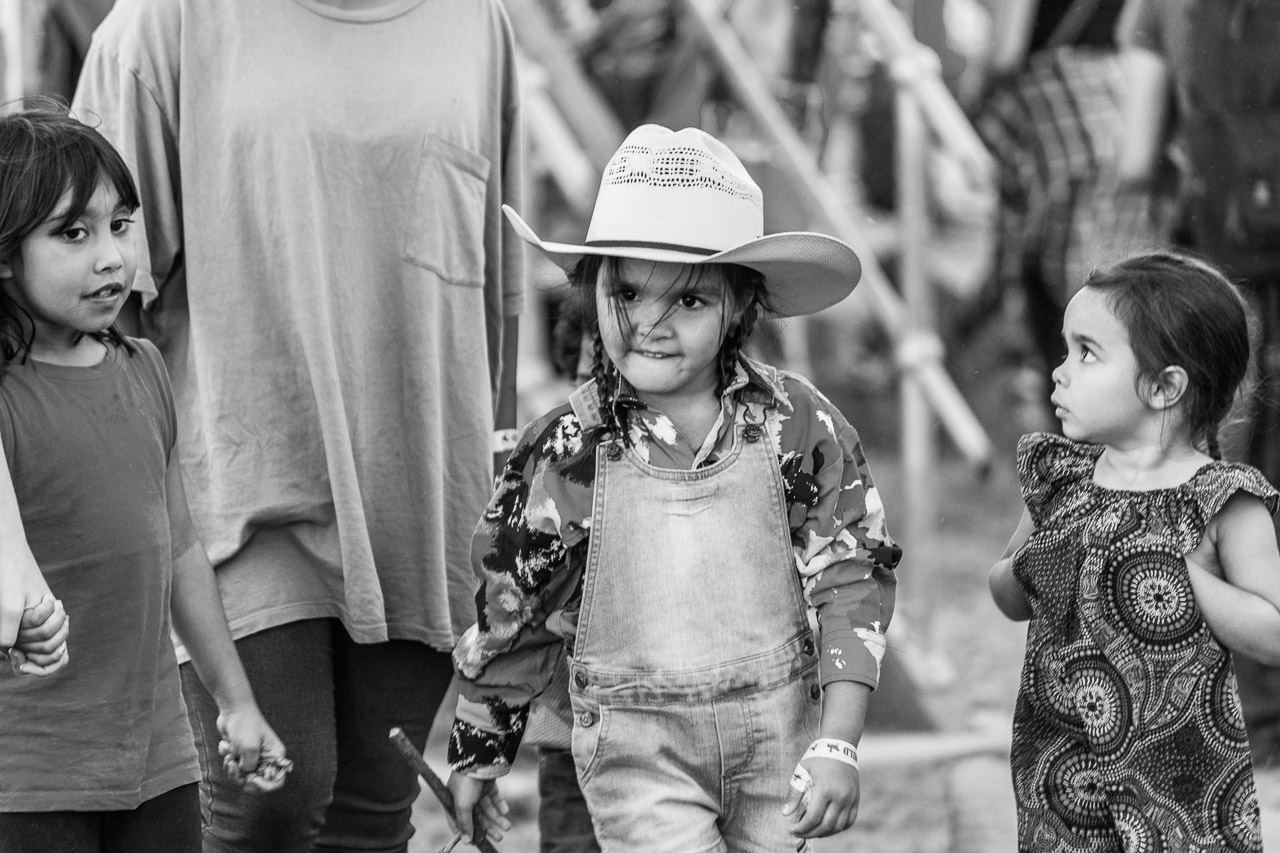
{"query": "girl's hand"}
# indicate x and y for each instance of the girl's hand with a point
(41, 646)
(252, 754)
(490, 817)
(829, 802)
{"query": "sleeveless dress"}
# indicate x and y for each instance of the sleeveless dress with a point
(1127, 735)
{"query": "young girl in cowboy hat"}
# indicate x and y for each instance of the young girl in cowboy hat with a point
(677, 528)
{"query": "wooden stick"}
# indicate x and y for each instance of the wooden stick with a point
(414, 758)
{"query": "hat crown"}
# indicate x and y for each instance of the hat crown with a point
(681, 190)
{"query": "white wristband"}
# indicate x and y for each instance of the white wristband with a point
(504, 440)
(801, 780)
(829, 747)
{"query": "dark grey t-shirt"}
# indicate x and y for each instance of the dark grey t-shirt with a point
(88, 449)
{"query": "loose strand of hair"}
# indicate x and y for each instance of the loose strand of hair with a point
(17, 333)
(113, 335)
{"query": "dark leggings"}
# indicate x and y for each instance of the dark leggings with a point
(169, 823)
(332, 701)
(564, 824)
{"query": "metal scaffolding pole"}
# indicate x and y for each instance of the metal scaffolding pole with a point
(11, 41)
(919, 456)
(920, 350)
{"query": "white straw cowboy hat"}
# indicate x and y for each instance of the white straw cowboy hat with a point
(684, 197)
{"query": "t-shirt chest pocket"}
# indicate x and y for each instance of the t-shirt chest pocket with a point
(445, 229)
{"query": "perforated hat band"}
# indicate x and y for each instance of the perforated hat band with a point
(646, 244)
(683, 191)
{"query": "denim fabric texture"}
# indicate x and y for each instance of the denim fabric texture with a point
(332, 701)
(531, 546)
(168, 823)
(686, 729)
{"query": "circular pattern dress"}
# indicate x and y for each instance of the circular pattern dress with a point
(1127, 735)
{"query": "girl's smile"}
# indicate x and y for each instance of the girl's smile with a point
(662, 325)
(72, 277)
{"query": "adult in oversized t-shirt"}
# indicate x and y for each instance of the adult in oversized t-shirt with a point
(328, 283)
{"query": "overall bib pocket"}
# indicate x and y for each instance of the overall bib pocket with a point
(445, 229)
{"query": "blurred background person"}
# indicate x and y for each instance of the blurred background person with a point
(1050, 117)
(1202, 102)
(55, 37)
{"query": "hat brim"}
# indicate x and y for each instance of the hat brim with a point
(804, 272)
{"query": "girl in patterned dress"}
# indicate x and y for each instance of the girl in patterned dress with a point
(674, 528)
(1141, 559)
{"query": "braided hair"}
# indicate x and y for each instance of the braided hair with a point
(746, 298)
(1179, 310)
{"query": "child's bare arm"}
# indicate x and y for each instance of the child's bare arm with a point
(31, 620)
(830, 804)
(22, 587)
(253, 754)
(1235, 578)
(1005, 590)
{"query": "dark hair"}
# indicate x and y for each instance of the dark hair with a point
(1179, 310)
(745, 299)
(45, 153)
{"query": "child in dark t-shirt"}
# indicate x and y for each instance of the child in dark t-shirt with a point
(98, 754)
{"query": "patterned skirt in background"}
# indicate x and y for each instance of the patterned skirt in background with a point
(1054, 132)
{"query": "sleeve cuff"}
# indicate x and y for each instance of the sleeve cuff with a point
(853, 655)
(477, 748)
(479, 753)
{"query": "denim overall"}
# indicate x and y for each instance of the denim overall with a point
(694, 680)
